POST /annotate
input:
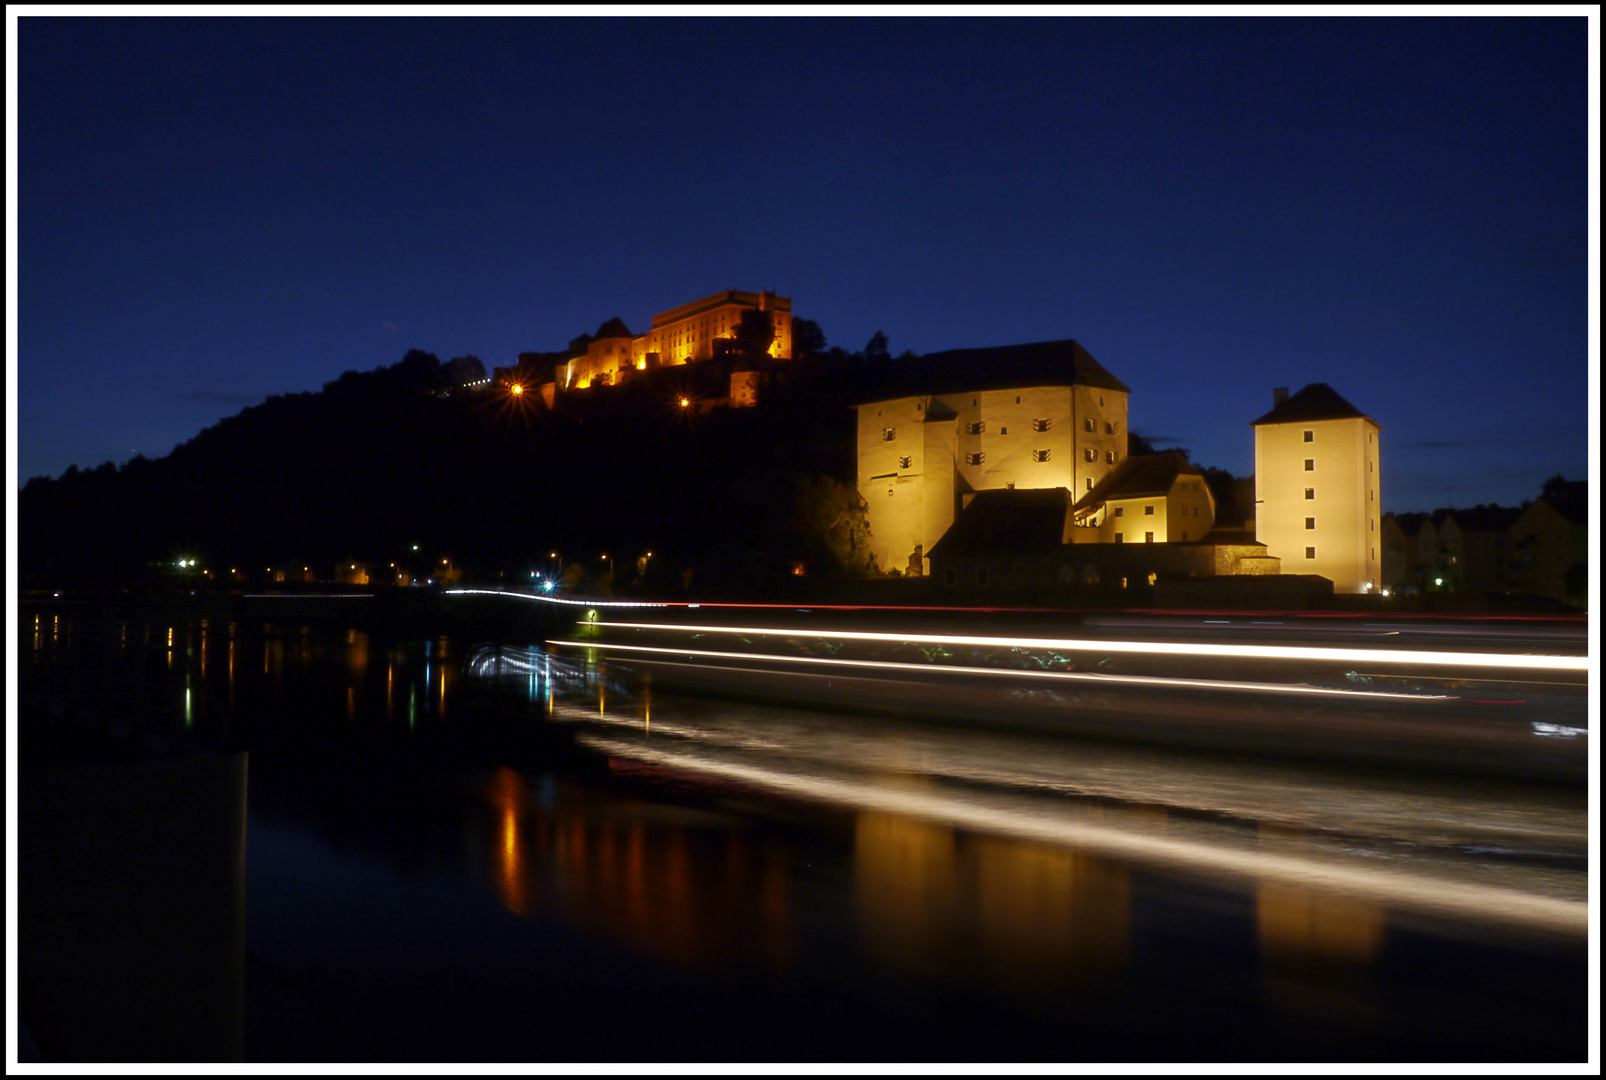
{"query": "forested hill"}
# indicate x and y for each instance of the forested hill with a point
(379, 462)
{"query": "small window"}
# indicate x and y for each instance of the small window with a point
(1040, 425)
(1109, 457)
(1310, 523)
(1120, 511)
(905, 462)
(1087, 425)
(888, 434)
(1118, 538)
(1090, 454)
(1017, 399)
(1148, 538)
(1039, 455)
(1090, 483)
(1310, 553)
(1149, 510)
(1109, 428)
(1310, 436)
(1310, 493)
(1101, 401)
(977, 428)
(976, 458)
(1003, 431)
(1310, 464)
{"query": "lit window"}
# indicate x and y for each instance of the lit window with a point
(1310, 464)
(1310, 436)
(1039, 455)
(1310, 493)
(1310, 523)
(1310, 553)
(1148, 538)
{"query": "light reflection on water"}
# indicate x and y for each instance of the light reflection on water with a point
(716, 875)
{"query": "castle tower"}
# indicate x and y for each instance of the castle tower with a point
(1317, 488)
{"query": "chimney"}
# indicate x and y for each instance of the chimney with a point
(1279, 394)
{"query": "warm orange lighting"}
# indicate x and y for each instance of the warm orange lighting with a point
(518, 389)
(684, 402)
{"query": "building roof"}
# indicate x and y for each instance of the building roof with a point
(1409, 524)
(1318, 401)
(1486, 518)
(1570, 499)
(1007, 521)
(1042, 363)
(1137, 477)
(613, 328)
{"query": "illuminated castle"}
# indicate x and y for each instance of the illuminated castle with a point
(701, 330)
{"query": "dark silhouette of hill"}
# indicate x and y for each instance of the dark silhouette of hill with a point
(378, 462)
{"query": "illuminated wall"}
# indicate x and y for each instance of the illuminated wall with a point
(918, 456)
(1184, 513)
(681, 335)
(1317, 485)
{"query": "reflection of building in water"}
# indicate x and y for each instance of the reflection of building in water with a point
(693, 893)
(1317, 948)
(930, 898)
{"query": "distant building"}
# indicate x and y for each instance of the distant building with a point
(700, 330)
(1550, 543)
(1402, 562)
(1317, 488)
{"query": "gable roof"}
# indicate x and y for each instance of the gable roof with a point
(1486, 518)
(1041, 363)
(1136, 477)
(1409, 524)
(1007, 521)
(613, 328)
(1570, 499)
(1318, 401)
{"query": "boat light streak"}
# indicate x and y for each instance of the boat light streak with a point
(1171, 648)
(554, 599)
(1077, 676)
(1418, 891)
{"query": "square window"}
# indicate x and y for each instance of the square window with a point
(1310, 436)
(1310, 464)
(1149, 510)
(1118, 538)
(1119, 511)
(1040, 425)
(1039, 455)
(1310, 523)
(905, 462)
(1310, 553)
(1310, 493)
(1148, 538)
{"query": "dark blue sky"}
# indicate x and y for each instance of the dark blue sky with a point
(211, 211)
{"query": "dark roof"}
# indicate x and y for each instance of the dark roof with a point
(1146, 474)
(1571, 500)
(1007, 520)
(1486, 518)
(613, 328)
(1409, 524)
(1042, 363)
(1318, 401)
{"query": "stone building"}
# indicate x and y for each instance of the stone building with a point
(1036, 416)
(1317, 488)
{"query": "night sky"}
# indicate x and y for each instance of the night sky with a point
(211, 211)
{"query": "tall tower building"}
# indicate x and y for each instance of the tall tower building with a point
(1317, 488)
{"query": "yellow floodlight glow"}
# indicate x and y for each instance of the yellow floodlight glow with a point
(685, 402)
(1169, 648)
(517, 389)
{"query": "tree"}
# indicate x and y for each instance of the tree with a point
(807, 338)
(755, 332)
(1137, 445)
(876, 350)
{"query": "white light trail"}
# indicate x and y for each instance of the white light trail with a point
(1170, 648)
(1483, 903)
(555, 599)
(1079, 676)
